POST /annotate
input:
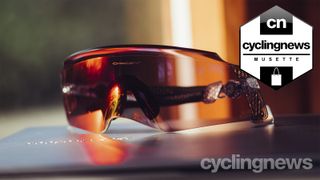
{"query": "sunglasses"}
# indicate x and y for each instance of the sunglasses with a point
(164, 87)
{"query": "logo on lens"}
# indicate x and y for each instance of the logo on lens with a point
(125, 62)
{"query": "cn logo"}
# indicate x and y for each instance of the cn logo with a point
(276, 47)
(275, 22)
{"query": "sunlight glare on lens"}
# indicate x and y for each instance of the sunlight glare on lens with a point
(94, 65)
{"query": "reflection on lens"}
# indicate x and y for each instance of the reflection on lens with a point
(112, 104)
(86, 92)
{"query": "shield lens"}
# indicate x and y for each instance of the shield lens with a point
(158, 86)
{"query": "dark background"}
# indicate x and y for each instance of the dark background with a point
(35, 38)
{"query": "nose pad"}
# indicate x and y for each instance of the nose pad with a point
(147, 102)
(115, 99)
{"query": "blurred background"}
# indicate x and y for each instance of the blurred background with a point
(37, 35)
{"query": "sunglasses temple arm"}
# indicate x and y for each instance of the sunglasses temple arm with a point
(173, 95)
(247, 87)
(208, 94)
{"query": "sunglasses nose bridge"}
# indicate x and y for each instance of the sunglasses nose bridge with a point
(144, 97)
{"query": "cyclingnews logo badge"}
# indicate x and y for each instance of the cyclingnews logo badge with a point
(276, 47)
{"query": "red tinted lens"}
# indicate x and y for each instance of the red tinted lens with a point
(150, 81)
(90, 94)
